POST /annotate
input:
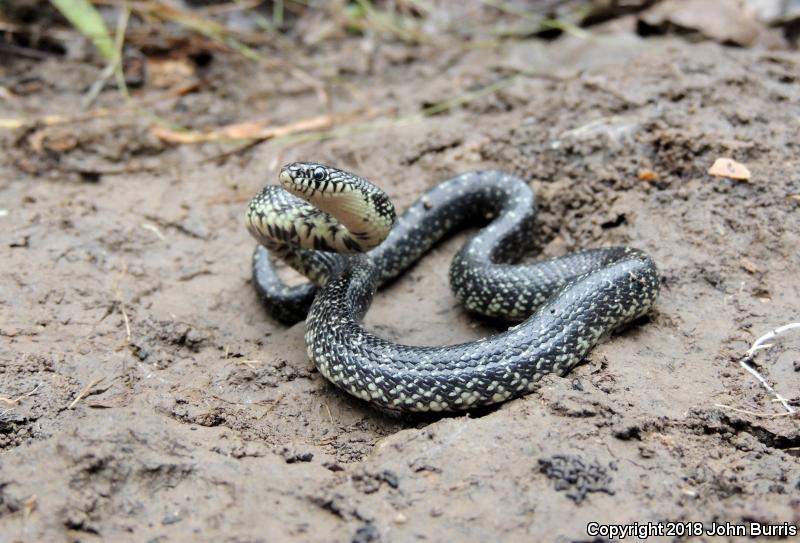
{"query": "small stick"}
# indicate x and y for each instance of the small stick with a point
(127, 322)
(14, 402)
(328, 409)
(274, 403)
(753, 413)
(31, 393)
(760, 344)
(154, 229)
(29, 506)
(84, 391)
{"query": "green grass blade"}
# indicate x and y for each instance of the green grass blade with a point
(85, 18)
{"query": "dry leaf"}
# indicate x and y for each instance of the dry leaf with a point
(727, 167)
(648, 175)
(252, 130)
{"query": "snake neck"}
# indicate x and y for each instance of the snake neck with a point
(366, 217)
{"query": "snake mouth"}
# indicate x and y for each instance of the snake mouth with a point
(285, 178)
(299, 178)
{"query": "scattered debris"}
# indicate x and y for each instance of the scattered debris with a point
(760, 344)
(748, 265)
(727, 167)
(29, 506)
(85, 391)
(252, 130)
(752, 413)
(577, 477)
(292, 456)
(154, 229)
(369, 482)
(11, 403)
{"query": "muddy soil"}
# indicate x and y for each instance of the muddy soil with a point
(148, 397)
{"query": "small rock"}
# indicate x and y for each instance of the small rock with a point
(171, 518)
(292, 457)
(390, 478)
(724, 21)
(367, 534)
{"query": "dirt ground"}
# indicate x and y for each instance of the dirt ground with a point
(148, 397)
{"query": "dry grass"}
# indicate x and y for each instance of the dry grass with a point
(273, 41)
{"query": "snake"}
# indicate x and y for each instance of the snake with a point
(342, 232)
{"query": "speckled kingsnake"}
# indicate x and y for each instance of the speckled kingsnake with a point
(568, 302)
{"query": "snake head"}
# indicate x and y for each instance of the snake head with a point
(361, 207)
(302, 177)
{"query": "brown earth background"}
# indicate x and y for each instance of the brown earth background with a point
(147, 396)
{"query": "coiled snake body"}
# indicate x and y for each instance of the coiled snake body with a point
(567, 303)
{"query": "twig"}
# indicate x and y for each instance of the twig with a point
(84, 391)
(253, 130)
(31, 393)
(12, 49)
(127, 322)
(53, 120)
(14, 402)
(154, 229)
(392, 122)
(114, 63)
(328, 409)
(753, 413)
(760, 344)
(100, 82)
(767, 386)
(273, 404)
(29, 506)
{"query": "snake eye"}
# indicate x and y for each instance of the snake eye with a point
(319, 174)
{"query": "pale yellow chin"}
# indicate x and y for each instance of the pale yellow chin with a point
(285, 179)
